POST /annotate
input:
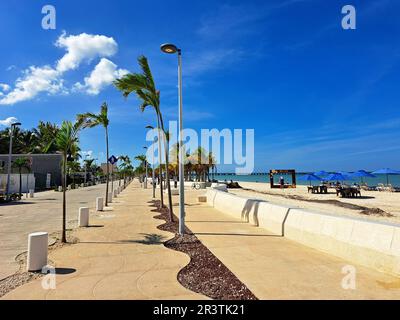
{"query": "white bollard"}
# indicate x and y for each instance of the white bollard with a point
(31, 193)
(115, 193)
(83, 217)
(37, 250)
(59, 188)
(99, 204)
(69, 187)
(109, 197)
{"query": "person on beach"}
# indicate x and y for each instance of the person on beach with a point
(282, 182)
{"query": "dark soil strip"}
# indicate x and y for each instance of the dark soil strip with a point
(204, 274)
(362, 209)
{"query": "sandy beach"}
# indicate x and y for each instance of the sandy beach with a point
(328, 203)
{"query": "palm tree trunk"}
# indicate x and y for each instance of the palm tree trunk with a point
(159, 160)
(63, 236)
(171, 212)
(107, 170)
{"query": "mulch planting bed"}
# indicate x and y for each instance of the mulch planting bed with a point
(204, 274)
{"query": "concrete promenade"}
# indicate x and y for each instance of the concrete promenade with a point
(41, 213)
(121, 256)
(274, 267)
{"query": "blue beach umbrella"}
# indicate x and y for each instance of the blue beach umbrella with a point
(336, 177)
(345, 174)
(362, 174)
(386, 171)
(321, 173)
(309, 177)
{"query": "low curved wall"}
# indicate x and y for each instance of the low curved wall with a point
(369, 243)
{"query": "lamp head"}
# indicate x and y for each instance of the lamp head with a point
(169, 48)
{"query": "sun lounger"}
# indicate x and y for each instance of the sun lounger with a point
(390, 188)
(380, 187)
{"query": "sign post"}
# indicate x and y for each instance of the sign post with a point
(112, 160)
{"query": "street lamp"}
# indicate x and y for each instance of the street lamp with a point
(152, 171)
(171, 49)
(145, 163)
(12, 127)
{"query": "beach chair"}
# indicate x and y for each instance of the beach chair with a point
(365, 187)
(380, 187)
(390, 188)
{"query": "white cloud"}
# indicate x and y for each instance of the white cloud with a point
(34, 81)
(84, 47)
(80, 48)
(88, 153)
(4, 87)
(7, 122)
(102, 75)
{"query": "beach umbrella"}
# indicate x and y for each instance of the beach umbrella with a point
(336, 177)
(362, 174)
(309, 177)
(345, 174)
(321, 173)
(387, 172)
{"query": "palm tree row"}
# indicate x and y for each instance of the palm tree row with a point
(197, 165)
(36, 140)
(143, 85)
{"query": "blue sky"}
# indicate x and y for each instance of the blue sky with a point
(317, 96)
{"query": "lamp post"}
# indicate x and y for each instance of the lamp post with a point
(12, 127)
(152, 165)
(145, 164)
(171, 49)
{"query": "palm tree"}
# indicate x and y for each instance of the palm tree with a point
(211, 165)
(143, 85)
(27, 141)
(65, 141)
(88, 165)
(45, 133)
(21, 163)
(124, 166)
(91, 120)
(143, 161)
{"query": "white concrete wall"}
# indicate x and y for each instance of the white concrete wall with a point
(369, 243)
(14, 182)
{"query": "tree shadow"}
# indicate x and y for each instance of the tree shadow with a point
(16, 203)
(149, 239)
